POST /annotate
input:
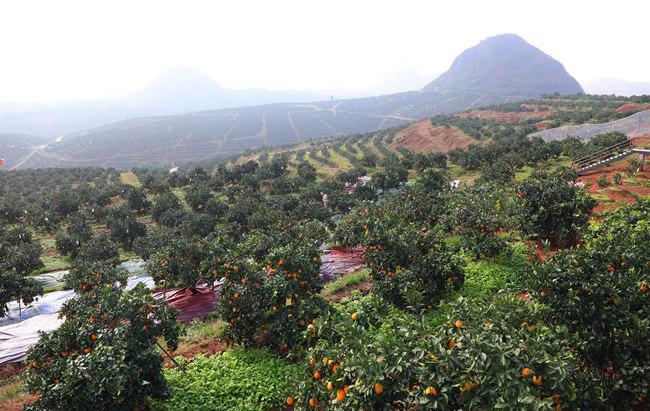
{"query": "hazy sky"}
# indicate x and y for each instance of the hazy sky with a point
(88, 49)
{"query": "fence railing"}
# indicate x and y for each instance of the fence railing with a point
(604, 154)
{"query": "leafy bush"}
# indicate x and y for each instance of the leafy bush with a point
(243, 379)
(164, 202)
(197, 197)
(19, 256)
(276, 305)
(478, 213)
(178, 263)
(485, 357)
(104, 353)
(148, 245)
(136, 200)
(553, 208)
(410, 267)
(602, 181)
(78, 231)
(244, 302)
(99, 248)
(500, 172)
(600, 292)
(294, 281)
(126, 230)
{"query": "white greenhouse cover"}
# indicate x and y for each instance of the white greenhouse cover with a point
(16, 339)
(42, 315)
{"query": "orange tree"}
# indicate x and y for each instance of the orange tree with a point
(484, 357)
(179, 262)
(244, 301)
(477, 213)
(19, 257)
(601, 293)
(104, 354)
(272, 302)
(424, 203)
(553, 208)
(294, 281)
(258, 243)
(410, 266)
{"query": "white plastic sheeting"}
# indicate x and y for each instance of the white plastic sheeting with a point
(48, 303)
(41, 315)
(54, 279)
(16, 339)
(134, 280)
(51, 302)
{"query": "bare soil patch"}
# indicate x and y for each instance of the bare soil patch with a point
(424, 137)
(207, 347)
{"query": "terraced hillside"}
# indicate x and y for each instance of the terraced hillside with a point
(161, 141)
(15, 148)
(450, 133)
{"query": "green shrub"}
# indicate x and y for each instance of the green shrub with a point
(600, 292)
(294, 282)
(245, 301)
(178, 263)
(553, 208)
(104, 353)
(602, 181)
(372, 357)
(478, 213)
(410, 267)
(19, 257)
(99, 248)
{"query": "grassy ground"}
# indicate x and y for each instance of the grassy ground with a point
(345, 281)
(130, 179)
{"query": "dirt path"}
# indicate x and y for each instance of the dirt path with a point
(293, 126)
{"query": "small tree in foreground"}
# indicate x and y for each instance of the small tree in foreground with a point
(104, 355)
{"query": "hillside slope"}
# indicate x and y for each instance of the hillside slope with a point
(180, 90)
(14, 148)
(161, 141)
(445, 133)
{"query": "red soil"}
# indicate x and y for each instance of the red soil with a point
(10, 370)
(512, 116)
(627, 107)
(423, 137)
(207, 347)
(617, 194)
(18, 403)
(632, 107)
(542, 124)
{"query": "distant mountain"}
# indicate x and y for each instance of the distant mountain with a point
(617, 86)
(505, 66)
(180, 90)
(500, 69)
(185, 89)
